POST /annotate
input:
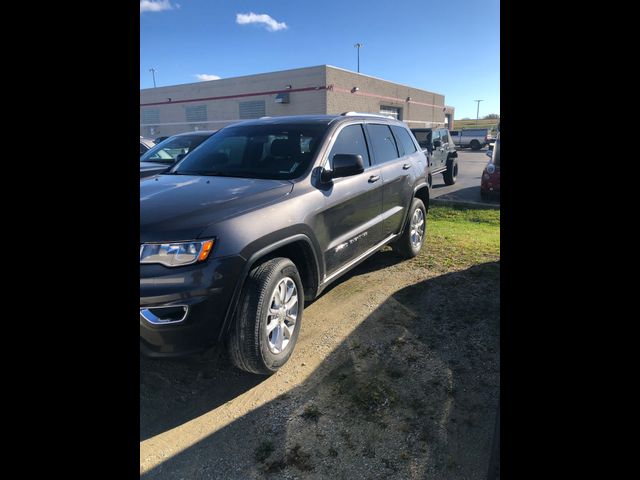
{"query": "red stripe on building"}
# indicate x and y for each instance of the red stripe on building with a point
(306, 89)
(240, 95)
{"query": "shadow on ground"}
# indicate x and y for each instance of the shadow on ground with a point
(411, 393)
(470, 194)
(172, 392)
(175, 391)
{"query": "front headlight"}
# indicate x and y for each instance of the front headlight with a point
(175, 254)
(491, 168)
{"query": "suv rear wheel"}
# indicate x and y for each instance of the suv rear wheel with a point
(475, 145)
(412, 239)
(268, 317)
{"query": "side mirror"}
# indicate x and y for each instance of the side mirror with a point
(437, 144)
(344, 165)
(489, 153)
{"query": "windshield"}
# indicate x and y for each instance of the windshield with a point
(168, 150)
(279, 152)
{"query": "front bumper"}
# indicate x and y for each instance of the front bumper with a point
(205, 290)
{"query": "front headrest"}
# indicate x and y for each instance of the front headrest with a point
(219, 158)
(285, 147)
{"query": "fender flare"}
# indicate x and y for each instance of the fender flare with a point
(253, 258)
(415, 190)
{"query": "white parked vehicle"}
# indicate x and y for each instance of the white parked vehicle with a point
(475, 138)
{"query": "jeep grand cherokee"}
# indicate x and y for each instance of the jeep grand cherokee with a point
(261, 218)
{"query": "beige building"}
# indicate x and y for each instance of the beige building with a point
(324, 89)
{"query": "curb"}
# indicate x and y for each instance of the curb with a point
(462, 203)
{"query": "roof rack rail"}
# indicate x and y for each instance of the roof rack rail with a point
(361, 114)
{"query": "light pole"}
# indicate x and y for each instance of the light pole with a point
(359, 46)
(478, 111)
(153, 72)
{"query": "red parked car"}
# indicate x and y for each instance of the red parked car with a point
(490, 182)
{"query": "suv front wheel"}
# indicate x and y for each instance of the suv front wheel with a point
(268, 317)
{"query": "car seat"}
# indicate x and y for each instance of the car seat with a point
(285, 154)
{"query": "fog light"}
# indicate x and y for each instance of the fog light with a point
(165, 315)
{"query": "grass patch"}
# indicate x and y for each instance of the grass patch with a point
(296, 457)
(490, 123)
(394, 372)
(263, 451)
(311, 412)
(459, 237)
(372, 396)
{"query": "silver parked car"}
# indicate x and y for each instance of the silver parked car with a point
(146, 144)
(170, 151)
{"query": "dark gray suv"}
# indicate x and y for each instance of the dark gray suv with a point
(261, 218)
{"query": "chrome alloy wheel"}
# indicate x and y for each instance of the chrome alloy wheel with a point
(417, 228)
(282, 316)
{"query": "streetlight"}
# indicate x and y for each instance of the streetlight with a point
(478, 111)
(153, 72)
(359, 46)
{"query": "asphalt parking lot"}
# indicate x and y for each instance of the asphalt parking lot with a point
(467, 187)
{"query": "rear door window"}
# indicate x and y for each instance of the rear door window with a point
(383, 143)
(403, 140)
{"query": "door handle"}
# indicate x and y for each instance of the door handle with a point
(406, 166)
(374, 178)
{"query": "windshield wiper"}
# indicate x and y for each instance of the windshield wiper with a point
(183, 172)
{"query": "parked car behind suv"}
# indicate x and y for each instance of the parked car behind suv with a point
(145, 145)
(441, 152)
(475, 138)
(261, 218)
(166, 153)
(490, 180)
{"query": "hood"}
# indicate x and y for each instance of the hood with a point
(180, 207)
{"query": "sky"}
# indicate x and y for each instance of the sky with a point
(451, 48)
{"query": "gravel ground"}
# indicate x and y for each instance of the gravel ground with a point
(395, 376)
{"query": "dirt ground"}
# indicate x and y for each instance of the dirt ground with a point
(395, 376)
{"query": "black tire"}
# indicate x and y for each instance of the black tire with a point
(451, 173)
(485, 195)
(248, 341)
(475, 145)
(404, 246)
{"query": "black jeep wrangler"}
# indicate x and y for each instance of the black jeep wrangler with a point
(260, 218)
(439, 148)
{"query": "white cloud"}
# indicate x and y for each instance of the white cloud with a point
(270, 23)
(155, 5)
(205, 76)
